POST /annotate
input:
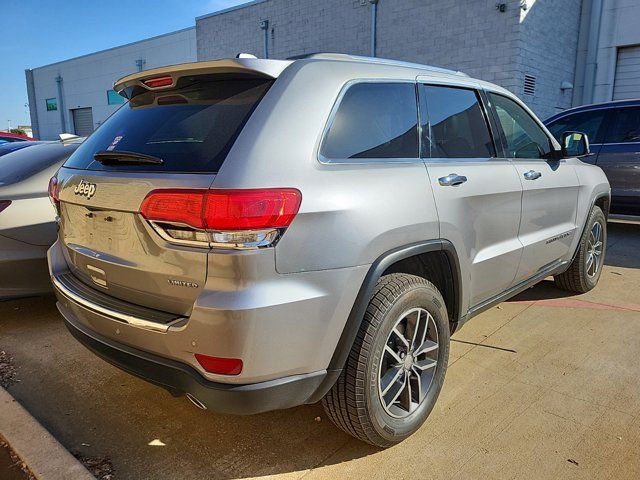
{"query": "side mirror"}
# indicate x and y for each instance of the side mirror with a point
(575, 144)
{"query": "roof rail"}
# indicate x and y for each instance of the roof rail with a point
(380, 61)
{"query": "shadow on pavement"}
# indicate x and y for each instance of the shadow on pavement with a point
(545, 290)
(624, 244)
(623, 251)
(96, 410)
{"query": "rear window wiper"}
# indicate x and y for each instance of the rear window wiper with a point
(127, 158)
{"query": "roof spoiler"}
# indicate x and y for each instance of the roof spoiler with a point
(167, 77)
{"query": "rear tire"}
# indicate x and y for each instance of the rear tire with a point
(391, 382)
(585, 270)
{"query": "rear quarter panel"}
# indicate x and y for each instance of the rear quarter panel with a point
(350, 214)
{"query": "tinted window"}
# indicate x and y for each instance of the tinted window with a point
(457, 127)
(374, 120)
(584, 122)
(625, 127)
(191, 127)
(524, 137)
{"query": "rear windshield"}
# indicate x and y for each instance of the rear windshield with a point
(191, 127)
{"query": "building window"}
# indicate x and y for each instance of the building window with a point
(52, 104)
(113, 98)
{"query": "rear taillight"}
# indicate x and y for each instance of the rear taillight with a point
(4, 204)
(54, 191)
(222, 366)
(250, 218)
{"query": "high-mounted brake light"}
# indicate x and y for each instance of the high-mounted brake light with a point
(248, 218)
(222, 366)
(158, 82)
(54, 191)
(4, 204)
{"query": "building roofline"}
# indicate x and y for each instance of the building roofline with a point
(231, 9)
(114, 48)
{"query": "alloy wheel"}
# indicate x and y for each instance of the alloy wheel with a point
(595, 247)
(408, 363)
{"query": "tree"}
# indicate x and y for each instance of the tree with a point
(18, 131)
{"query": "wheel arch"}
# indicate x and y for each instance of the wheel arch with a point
(604, 202)
(601, 200)
(385, 264)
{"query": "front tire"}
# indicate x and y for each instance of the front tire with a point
(397, 364)
(585, 270)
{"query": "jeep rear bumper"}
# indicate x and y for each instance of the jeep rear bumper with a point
(179, 378)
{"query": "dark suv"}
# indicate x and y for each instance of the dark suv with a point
(614, 131)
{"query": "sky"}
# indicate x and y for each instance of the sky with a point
(34, 33)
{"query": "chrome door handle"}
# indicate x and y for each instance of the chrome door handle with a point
(452, 180)
(532, 175)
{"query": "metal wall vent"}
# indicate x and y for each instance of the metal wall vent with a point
(529, 85)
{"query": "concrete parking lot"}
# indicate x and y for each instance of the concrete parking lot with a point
(543, 386)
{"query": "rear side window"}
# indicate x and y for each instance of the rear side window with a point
(524, 137)
(457, 127)
(625, 127)
(191, 127)
(584, 122)
(374, 121)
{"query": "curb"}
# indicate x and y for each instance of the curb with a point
(43, 454)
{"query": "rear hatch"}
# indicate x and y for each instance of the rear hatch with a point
(175, 136)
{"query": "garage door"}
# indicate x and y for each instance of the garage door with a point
(82, 121)
(627, 82)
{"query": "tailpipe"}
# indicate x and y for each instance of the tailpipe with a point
(196, 402)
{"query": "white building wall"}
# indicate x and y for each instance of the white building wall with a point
(549, 32)
(86, 79)
(469, 35)
(619, 27)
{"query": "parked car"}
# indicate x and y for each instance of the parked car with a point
(9, 147)
(27, 218)
(614, 131)
(14, 137)
(260, 234)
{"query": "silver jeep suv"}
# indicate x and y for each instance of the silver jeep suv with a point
(261, 234)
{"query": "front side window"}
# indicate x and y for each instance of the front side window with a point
(625, 127)
(583, 122)
(456, 127)
(524, 137)
(374, 121)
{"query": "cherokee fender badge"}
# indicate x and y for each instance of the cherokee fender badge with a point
(557, 237)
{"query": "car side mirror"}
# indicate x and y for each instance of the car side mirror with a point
(575, 144)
